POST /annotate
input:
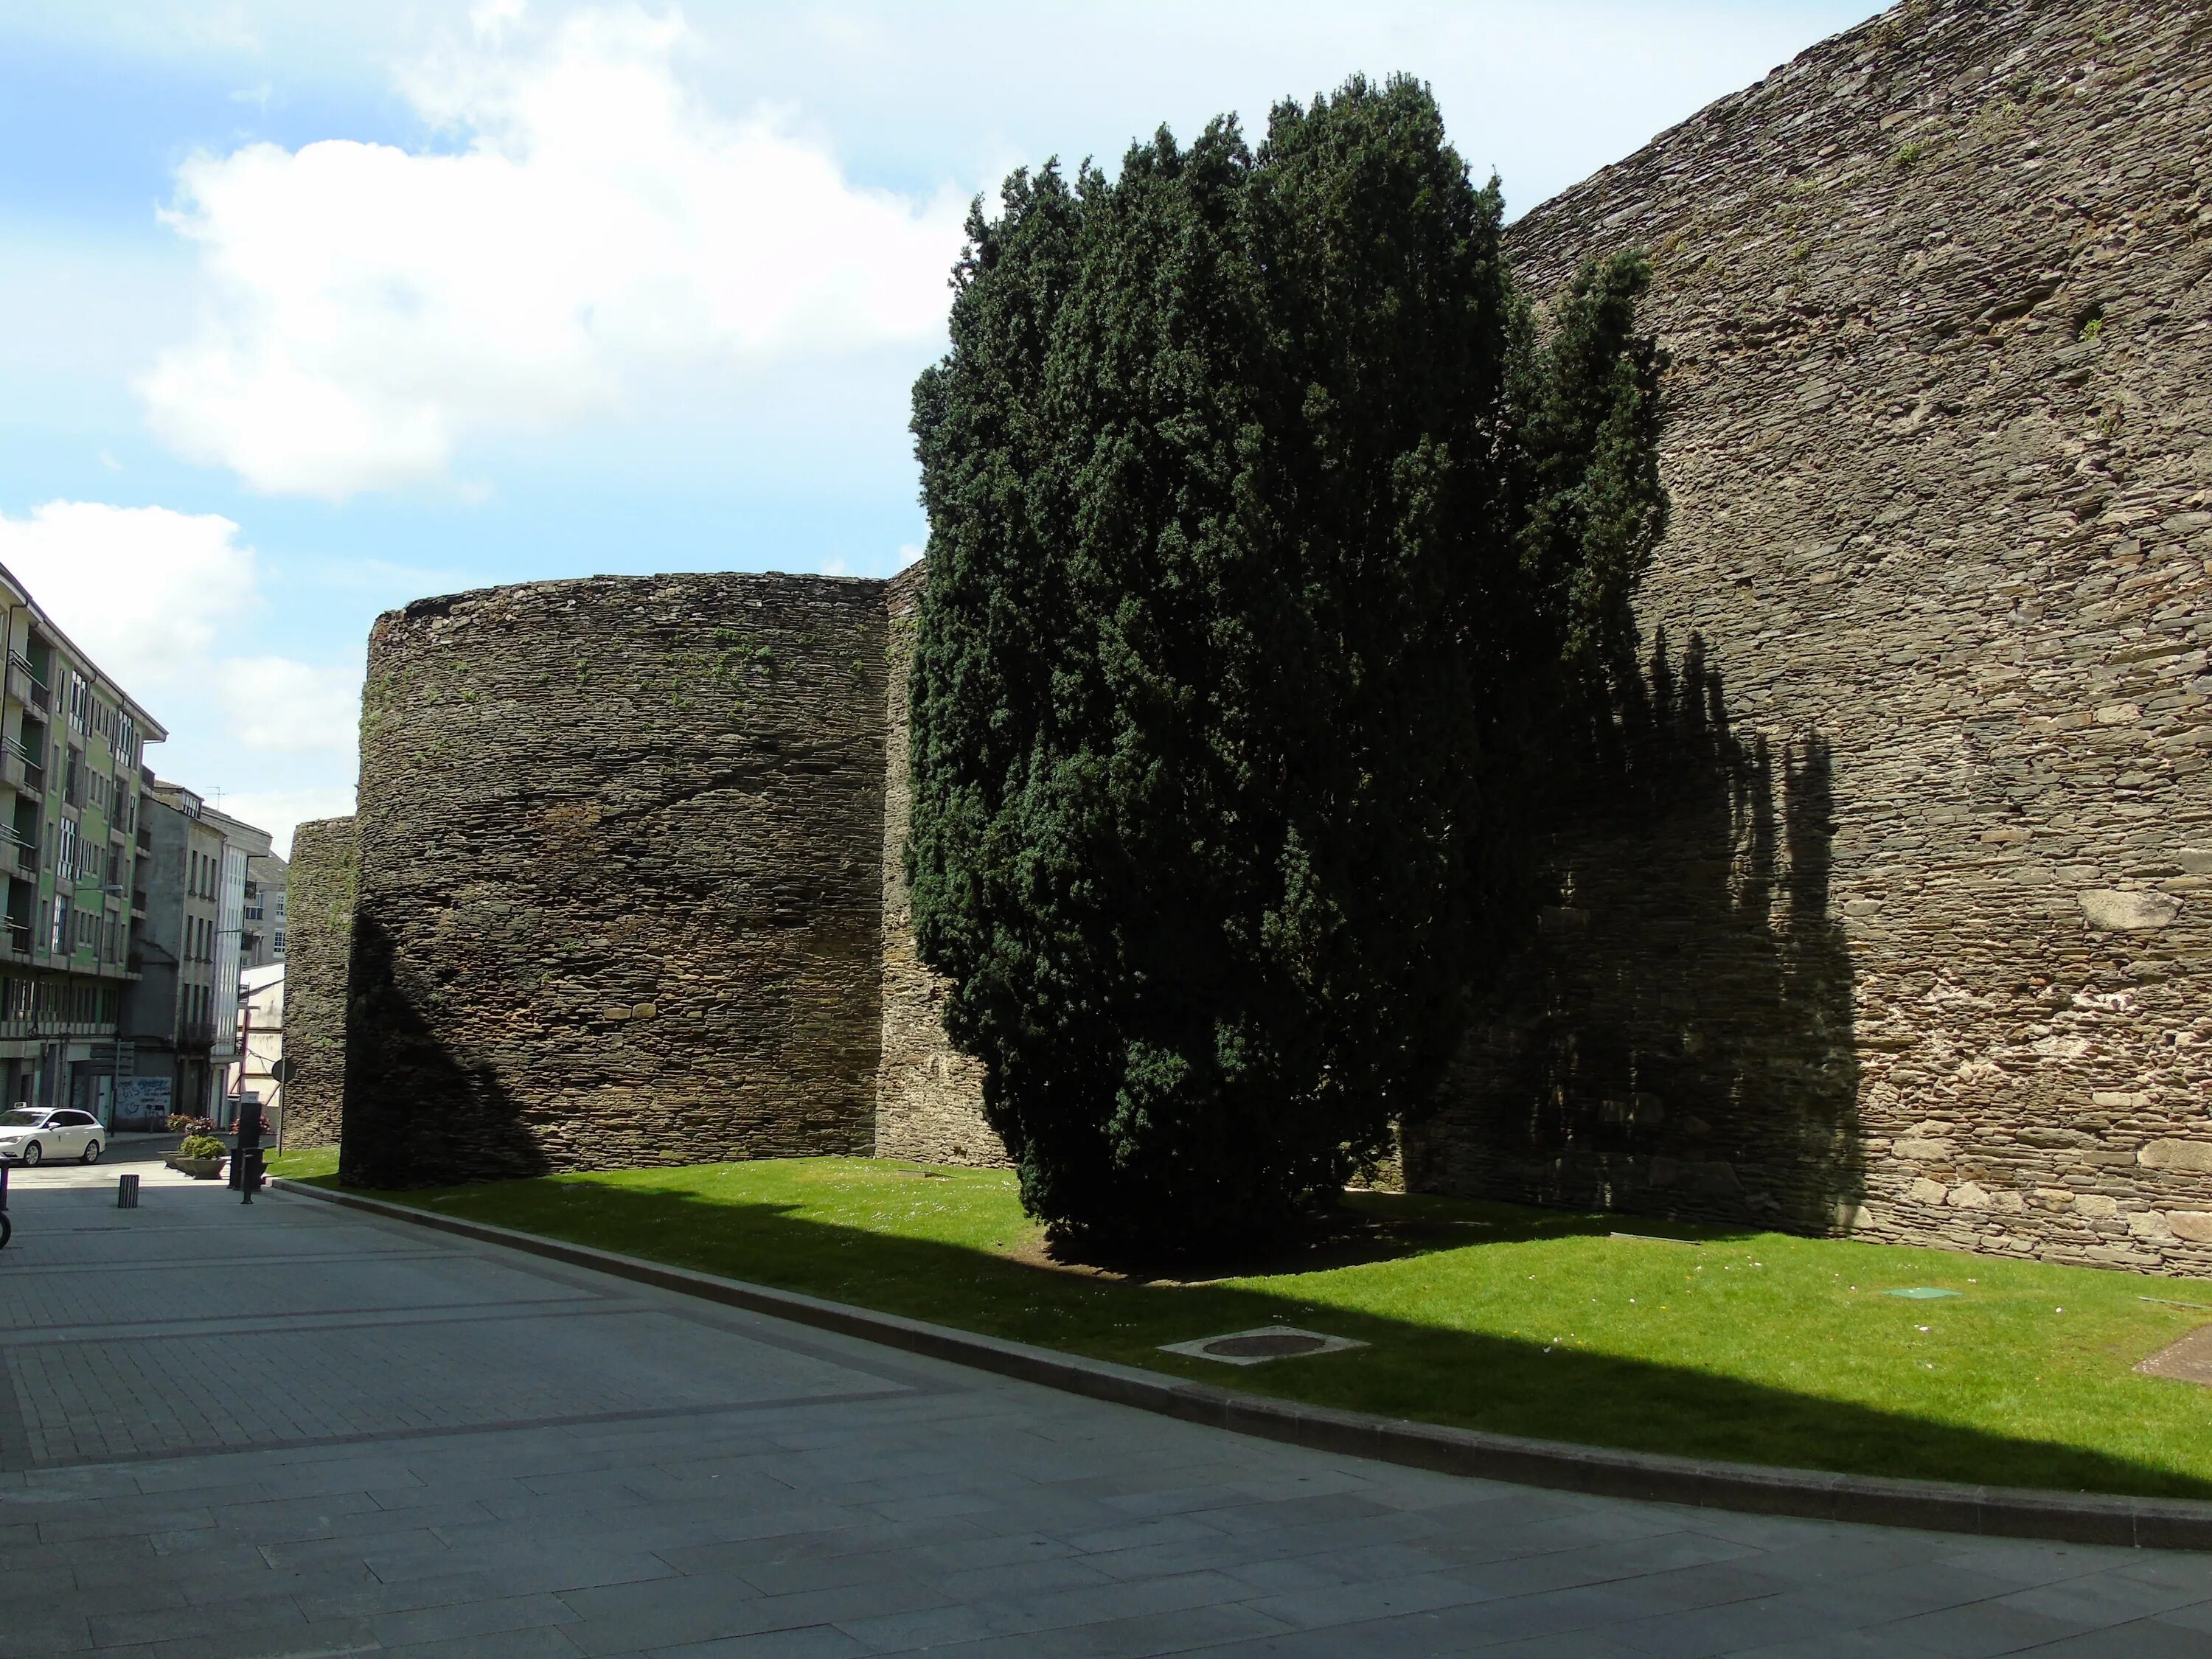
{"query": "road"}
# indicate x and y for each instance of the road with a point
(234, 1433)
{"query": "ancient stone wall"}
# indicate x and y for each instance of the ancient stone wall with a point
(620, 878)
(929, 1098)
(319, 900)
(1913, 932)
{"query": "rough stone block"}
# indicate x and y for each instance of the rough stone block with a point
(2194, 1157)
(2126, 912)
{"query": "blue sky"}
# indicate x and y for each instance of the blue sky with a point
(311, 310)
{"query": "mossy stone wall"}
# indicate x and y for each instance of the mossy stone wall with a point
(319, 900)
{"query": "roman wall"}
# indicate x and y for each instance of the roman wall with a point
(1903, 925)
(620, 887)
(319, 900)
(1895, 922)
(929, 1097)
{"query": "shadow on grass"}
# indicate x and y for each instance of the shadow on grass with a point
(1368, 1227)
(1427, 1372)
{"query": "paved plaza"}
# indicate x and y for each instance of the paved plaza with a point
(234, 1433)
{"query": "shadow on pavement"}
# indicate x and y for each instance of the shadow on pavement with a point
(1424, 1372)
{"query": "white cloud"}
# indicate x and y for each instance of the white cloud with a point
(155, 598)
(281, 811)
(144, 589)
(372, 310)
(284, 707)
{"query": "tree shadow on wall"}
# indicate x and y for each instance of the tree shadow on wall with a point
(1674, 1036)
(415, 1115)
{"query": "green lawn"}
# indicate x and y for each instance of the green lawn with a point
(307, 1163)
(1754, 1346)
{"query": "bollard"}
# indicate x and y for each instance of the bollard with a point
(126, 1192)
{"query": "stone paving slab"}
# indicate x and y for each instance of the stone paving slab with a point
(2188, 1359)
(509, 1456)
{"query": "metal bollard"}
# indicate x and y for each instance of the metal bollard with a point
(126, 1192)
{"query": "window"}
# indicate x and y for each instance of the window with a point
(57, 940)
(80, 694)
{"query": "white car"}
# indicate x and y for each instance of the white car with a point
(32, 1135)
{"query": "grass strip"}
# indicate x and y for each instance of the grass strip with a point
(1760, 1347)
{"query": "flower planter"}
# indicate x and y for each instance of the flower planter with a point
(199, 1168)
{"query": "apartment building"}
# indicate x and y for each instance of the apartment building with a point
(196, 938)
(264, 944)
(71, 747)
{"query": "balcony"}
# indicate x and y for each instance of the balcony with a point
(16, 939)
(20, 770)
(139, 904)
(25, 856)
(24, 687)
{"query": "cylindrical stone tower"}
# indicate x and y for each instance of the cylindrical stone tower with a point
(620, 892)
(319, 893)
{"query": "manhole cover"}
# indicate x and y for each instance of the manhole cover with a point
(1264, 1347)
(1921, 1293)
(1256, 1347)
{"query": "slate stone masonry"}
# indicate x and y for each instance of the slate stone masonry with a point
(620, 891)
(1904, 927)
(319, 900)
(1920, 946)
(928, 1095)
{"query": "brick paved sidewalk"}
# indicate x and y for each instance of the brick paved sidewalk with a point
(382, 1440)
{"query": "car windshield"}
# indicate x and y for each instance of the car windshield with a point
(21, 1119)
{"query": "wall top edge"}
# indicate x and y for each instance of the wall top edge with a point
(597, 588)
(1931, 23)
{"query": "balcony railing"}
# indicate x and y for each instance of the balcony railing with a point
(22, 769)
(25, 686)
(15, 938)
(26, 853)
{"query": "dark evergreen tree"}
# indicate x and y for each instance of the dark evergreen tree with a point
(1251, 490)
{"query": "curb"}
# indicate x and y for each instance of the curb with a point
(1650, 1477)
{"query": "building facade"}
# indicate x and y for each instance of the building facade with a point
(263, 944)
(71, 747)
(260, 1042)
(182, 1021)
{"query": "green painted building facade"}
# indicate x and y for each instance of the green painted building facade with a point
(71, 757)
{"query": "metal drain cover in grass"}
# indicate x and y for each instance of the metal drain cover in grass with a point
(1921, 1293)
(1256, 1347)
